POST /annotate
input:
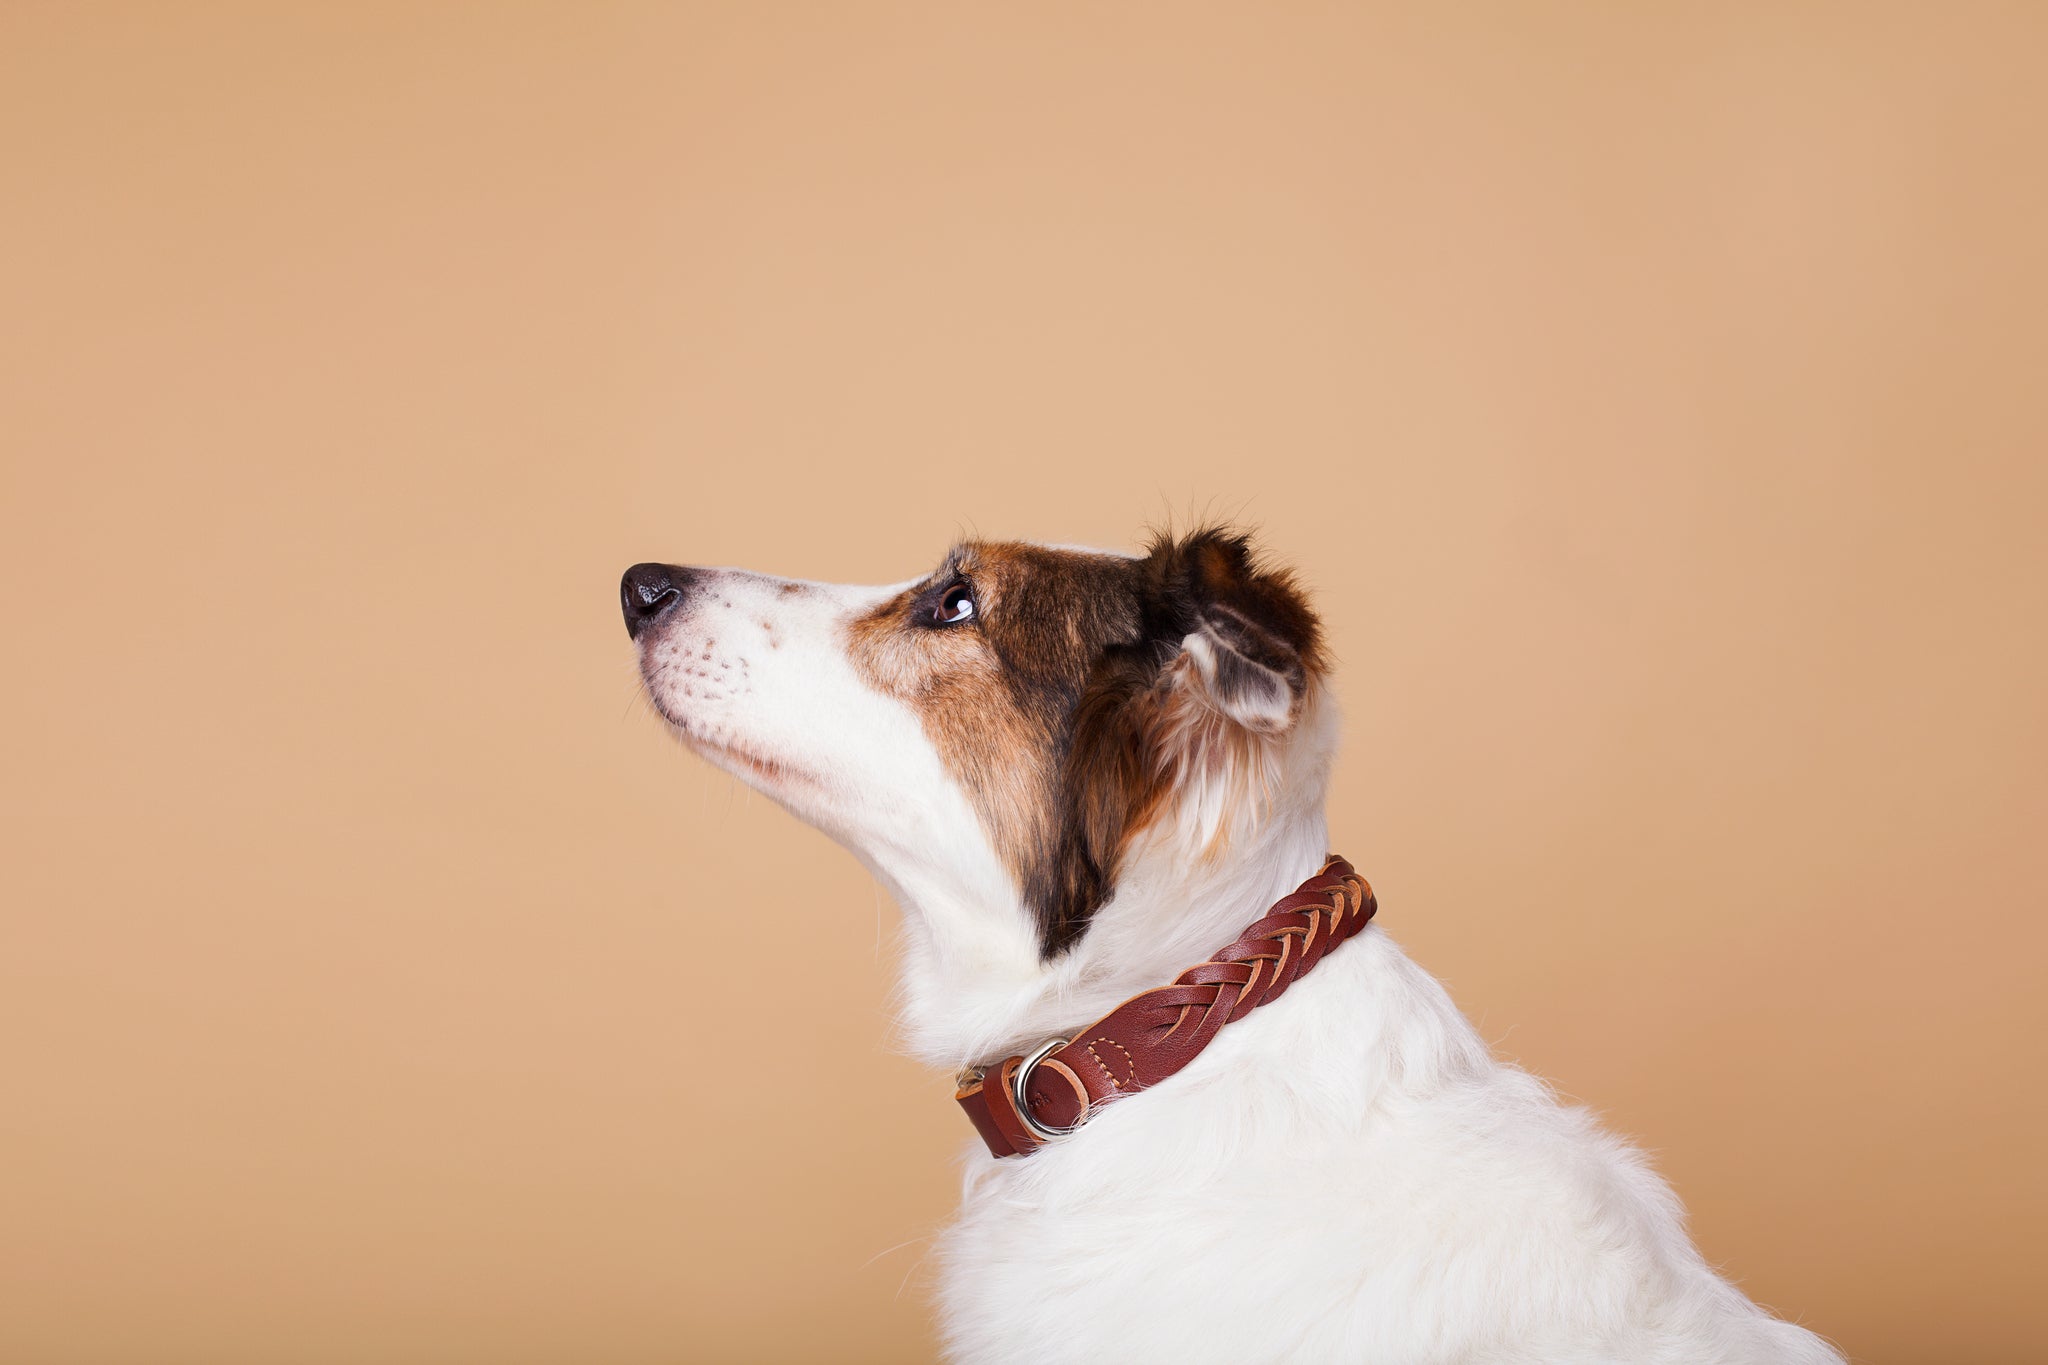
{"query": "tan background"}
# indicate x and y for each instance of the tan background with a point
(1654, 396)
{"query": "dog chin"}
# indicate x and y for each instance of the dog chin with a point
(776, 778)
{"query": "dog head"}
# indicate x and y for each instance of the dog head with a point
(1008, 727)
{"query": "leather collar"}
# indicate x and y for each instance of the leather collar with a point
(1024, 1102)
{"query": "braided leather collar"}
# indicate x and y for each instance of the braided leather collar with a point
(1022, 1103)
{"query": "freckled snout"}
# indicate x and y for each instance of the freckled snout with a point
(649, 592)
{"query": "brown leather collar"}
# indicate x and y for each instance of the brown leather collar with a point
(1150, 1036)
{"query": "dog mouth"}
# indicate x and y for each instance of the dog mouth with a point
(741, 760)
(771, 772)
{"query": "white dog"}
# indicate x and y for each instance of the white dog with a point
(1080, 774)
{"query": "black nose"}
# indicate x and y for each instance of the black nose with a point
(649, 592)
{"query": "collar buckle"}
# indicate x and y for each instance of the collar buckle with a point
(1021, 1078)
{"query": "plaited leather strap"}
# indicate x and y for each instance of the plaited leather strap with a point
(1150, 1036)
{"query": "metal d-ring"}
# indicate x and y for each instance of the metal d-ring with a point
(1021, 1078)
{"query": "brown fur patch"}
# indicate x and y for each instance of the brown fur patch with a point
(1066, 707)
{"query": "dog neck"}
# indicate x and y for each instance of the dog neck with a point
(974, 983)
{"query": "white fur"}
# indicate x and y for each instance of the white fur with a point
(1345, 1175)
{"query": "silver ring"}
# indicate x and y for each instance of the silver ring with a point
(1022, 1078)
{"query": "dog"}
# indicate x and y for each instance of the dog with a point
(1079, 772)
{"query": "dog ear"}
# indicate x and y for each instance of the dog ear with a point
(1249, 647)
(1182, 720)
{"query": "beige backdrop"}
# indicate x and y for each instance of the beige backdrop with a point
(1654, 395)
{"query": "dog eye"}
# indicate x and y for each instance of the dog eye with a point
(955, 606)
